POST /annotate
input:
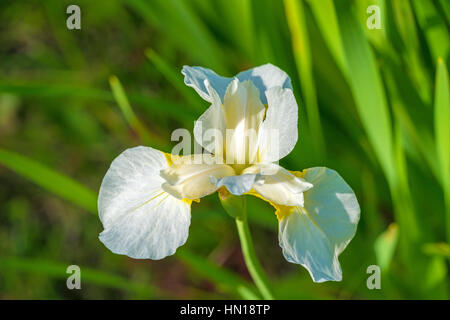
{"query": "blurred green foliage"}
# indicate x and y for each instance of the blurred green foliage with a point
(374, 105)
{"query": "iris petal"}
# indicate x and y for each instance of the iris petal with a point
(141, 220)
(237, 185)
(244, 114)
(209, 129)
(190, 180)
(234, 126)
(278, 185)
(264, 77)
(278, 132)
(314, 235)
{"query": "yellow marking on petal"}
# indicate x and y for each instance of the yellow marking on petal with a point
(189, 201)
(280, 210)
(147, 201)
(170, 158)
(160, 201)
(298, 174)
(266, 106)
(283, 211)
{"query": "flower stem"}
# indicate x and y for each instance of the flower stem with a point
(252, 262)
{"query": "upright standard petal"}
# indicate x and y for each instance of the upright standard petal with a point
(315, 235)
(244, 114)
(232, 129)
(278, 132)
(264, 77)
(210, 128)
(140, 219)
(198, 77)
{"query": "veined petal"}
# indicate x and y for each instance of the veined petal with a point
(264, 77)
(244, 114)
(315, 235)
(278, 132)
(190, 180)
(279, 186)
(140, 219)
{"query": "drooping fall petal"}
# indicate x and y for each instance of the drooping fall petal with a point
(314, 235)
(140, 219)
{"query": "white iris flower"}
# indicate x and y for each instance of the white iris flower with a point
(145, 197)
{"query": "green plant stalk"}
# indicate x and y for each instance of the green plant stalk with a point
(248, 251)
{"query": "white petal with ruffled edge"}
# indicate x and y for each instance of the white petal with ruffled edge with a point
(264, 77)
(140, 219)
(316, 234)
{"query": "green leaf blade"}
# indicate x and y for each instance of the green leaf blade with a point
(50, 180)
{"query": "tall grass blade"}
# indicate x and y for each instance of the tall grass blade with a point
(442, 132)
(436, 32)
(176, 79)
(385, 245)
(325, 14)
(130, 116)
(300, 42)
(50, 180)
(366, 85)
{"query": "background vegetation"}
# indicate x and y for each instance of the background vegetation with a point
(374, 105)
